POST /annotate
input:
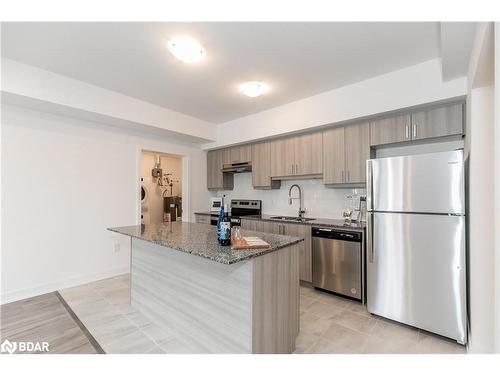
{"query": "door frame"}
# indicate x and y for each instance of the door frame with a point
(186, 164)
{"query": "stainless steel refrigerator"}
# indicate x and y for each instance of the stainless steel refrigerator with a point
(416, 241)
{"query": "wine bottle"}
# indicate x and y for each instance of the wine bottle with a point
(225, 229)
(219, 220)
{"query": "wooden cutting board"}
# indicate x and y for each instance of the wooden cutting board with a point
(249, 243)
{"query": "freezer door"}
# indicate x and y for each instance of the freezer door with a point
(428, 183)
(416, 271)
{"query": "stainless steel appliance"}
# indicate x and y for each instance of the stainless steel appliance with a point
(172, 208)
(215, 204)
(416, 241)
(244, 207)
(237, 167)
(337, 261)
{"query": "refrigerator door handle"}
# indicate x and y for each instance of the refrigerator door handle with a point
(369, 237)
(369, 185)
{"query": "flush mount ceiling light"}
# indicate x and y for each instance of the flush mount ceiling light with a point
(186, 49)
(254, 89)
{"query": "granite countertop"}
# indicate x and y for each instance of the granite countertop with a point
(201, 240)
(317, 222)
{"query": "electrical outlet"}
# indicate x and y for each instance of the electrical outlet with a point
(117, 247)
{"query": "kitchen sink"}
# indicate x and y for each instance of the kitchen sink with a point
(291, 218)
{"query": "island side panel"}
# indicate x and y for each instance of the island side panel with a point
(205, 304)
(276, 308)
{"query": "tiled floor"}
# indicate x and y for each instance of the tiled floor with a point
(328, 324)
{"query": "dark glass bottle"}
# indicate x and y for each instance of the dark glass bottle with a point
(219, 220)
(225, 229)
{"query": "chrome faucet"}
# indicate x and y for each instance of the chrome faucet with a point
(302, 211)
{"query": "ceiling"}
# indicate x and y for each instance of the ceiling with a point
(296, 59)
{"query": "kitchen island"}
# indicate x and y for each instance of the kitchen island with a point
(212, 298)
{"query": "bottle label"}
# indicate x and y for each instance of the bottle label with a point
(225, 230)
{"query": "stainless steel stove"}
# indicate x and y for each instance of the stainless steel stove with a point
(244, 207)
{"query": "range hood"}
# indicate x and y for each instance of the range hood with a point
(237, 167)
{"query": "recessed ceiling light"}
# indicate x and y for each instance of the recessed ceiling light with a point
(186, 49)
(254, 89)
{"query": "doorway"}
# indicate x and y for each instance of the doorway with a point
(161, 187)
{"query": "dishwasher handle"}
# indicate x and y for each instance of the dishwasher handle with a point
(335, 234)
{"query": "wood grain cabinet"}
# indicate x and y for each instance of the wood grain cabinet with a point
(390, 130)
(438, 122)
(345, 151)
(216, 180)
(202, 219)
(297, 156)
(289, 229)
(240, 154)
(428, 123)
(261, 167)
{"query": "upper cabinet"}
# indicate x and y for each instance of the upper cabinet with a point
(357, 152)
(297, 156)
(429, 123)
(390, 130)
(240, 154)
(216, 180)
(337, 154)
(345, 151)
(261, 167)
(438, 122)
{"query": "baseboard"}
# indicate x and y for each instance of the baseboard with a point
(60, 284)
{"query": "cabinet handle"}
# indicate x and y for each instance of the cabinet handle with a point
(348, 175)
(296, 168)
(414, 130)
(407, 131)
(292, 168)
(343, 176)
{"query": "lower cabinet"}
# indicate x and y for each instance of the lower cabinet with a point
(297, 230)
(202, 219)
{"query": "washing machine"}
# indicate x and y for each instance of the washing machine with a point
(145, 215)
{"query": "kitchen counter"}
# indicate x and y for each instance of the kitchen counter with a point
(317, 222)
(201, 240)
(214, 299)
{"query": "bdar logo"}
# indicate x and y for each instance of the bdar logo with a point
(9, 347)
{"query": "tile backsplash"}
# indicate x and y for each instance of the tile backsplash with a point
(319, 201)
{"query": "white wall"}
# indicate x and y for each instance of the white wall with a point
(482, 227)
(32, 86)
(319, 201)
(64, 181)
(412, 86)
(481, 220)
(497, 182)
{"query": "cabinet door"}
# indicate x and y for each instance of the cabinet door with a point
(305, 250)
(211, 169)
(246, 153)
(357, 152)
(390, 130)
(333, 156)
(248, 224)
(216, 180)
(272, 227)
(261, 166)
(308, 154)
(438, 122)
(202, 219)
(240, 154)
(282, 157)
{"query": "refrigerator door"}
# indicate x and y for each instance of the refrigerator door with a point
(416, 271)
(427, 183)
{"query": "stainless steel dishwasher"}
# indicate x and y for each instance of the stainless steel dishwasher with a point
(337, 261)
